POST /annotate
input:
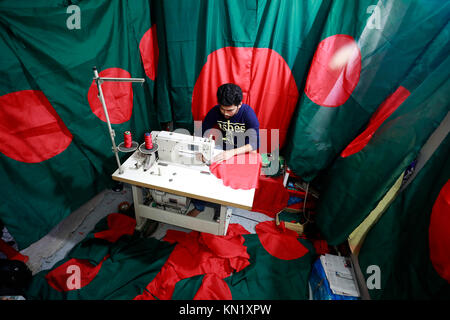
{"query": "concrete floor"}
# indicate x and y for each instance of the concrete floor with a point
(46, 252)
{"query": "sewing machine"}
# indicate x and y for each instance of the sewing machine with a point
(166, 177)
(178, 148)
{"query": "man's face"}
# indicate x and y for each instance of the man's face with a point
(229, 111)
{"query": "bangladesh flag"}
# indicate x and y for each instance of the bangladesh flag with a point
(263, 46)
(365, 52)
(370, 165)
(55, 149)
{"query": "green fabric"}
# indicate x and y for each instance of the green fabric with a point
(91, 248)
(318, 134)
(133, 263)
(39, 52)
(355, 185)
(398, 243)
(186, 289)
(271, 278)
(290, 216)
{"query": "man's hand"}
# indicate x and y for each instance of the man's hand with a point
(200, 157)
(225, 155)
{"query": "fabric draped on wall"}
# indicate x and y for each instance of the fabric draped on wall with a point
(263, 46)
(407, 243)
(348, 91)
(55, 150)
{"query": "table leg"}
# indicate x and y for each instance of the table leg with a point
(138, 200)
(225, 216)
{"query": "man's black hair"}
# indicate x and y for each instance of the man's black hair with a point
(229, 94)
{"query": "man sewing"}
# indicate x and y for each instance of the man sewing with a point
(238, 124)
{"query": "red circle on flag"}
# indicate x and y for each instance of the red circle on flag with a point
(383, 112)
(439, 236)
(148, 47)
(118, 97)
(266, 81)
(30, 129)
(334, 71)
(280, 242)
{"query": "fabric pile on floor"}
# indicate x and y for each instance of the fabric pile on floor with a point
(114, 262)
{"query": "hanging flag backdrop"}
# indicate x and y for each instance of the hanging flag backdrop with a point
(413, 256)
(355, 184)
(357, 65)
(54, 141)
(353, 89)
(263, 46)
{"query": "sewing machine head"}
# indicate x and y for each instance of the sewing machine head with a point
(180, 149)
(183, 148)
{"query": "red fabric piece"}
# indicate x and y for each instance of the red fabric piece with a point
(383, 112)
(334, 71)
(195, 254)
(439, 235)
(118, 97)
(119, 225)
(11, 253)
(321, 247)
(148, 47)
(213, 288)
(30, 129)
(239, 172)
(279, 241)
(266, 82)
(270, 196)
(62, 277)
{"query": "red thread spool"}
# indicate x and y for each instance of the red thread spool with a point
(128, 139)
(148, 141)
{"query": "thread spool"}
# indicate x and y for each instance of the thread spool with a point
(128, 139)
(148, 141)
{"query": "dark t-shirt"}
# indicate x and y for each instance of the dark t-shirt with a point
(235, 130)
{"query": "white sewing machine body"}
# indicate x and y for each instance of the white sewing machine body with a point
(181, 148)
(164, 182)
